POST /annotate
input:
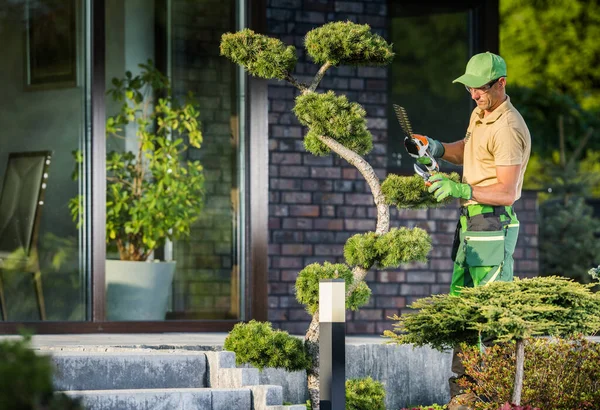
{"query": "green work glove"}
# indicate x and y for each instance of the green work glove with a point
(442, 188)
(436, 148)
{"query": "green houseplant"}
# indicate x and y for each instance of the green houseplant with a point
(152, 194)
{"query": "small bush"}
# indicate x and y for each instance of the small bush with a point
(365, 394)
(26, 379)
(258, 344)
(307, 285)
(560, 374)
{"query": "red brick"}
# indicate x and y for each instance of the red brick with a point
(381, 327)
(289, 275)
(325, 172)
(291, 158)
(360, 224)
(329, 250)
(359, 199)
(294, 171)
(360, 327)
(391, 277)
(296, 197)
(329, 224)
(297, 223)
(369, 314)
(390, 301)
(296, 249)
(286, 262)
(304, 210)
(351, 173)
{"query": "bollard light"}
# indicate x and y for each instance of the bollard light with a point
(332, 344)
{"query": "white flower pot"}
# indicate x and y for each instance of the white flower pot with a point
(137, 290)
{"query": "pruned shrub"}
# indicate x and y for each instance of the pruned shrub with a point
(261, 55)
(261, 346)
(560, 374)
(347, 43)
(26, 379)
(307, 285)
(410, 192)
(389, 250)
(365, 394)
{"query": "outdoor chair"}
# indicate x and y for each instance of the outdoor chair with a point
(21, 203)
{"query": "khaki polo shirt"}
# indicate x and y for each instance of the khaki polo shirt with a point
(501, 138)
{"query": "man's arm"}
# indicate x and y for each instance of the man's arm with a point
(454, 152)
(503, 192)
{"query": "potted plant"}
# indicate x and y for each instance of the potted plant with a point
(152, 194)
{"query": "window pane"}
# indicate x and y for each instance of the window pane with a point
(182, 40)
(43, 116)
(432, 48)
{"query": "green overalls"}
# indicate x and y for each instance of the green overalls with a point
(484, 243)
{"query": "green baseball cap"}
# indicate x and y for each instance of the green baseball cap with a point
(481, 69)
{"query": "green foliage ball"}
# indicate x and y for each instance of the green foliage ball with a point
(336, 117)
(347, 43)
(314, 145)
(262, 56)
(258, 344)
(402, 245)
(410, 192)
(26, 379)
(365, 394)
(307, 285)
(360, 250)
(399, 245)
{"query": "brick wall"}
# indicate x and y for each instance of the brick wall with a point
(317, 203)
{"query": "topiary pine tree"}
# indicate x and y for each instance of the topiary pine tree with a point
(338, 125)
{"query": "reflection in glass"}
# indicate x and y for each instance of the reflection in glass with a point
(182, 38)
(432, 48)
(42, 112)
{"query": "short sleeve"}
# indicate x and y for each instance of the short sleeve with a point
(508, 146)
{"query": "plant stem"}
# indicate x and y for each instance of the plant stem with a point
(520, 364)
(319, 76)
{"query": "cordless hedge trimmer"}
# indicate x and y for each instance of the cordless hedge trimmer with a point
(416, 145)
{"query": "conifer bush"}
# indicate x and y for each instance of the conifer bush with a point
(261, 346)
(336, 125)
(365, 394)
(504, 312)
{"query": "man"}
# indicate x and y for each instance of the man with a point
(494, 155)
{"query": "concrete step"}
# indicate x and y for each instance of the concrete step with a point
(165, 399)
(131, 369)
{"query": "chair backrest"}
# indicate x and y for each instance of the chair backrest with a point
(21, 200)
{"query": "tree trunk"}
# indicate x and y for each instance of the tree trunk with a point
(520, 365)
(311, 341)
(383, 225)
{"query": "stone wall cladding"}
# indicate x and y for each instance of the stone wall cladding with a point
(317, 203)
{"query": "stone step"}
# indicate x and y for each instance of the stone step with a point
(131, 369)
(165, 399)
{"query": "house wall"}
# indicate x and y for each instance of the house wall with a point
(317, 203)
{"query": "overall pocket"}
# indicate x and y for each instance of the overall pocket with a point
(484, 248)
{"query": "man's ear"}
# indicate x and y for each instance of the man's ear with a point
(502, 82)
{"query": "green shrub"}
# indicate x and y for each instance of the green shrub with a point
(432, 407)
(410, 192)
(307, 285)
(258, 344)
(347, 43)
(365, 394)
(560, 374)
(26, 379)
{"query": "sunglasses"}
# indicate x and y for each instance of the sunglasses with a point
(484, 88)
